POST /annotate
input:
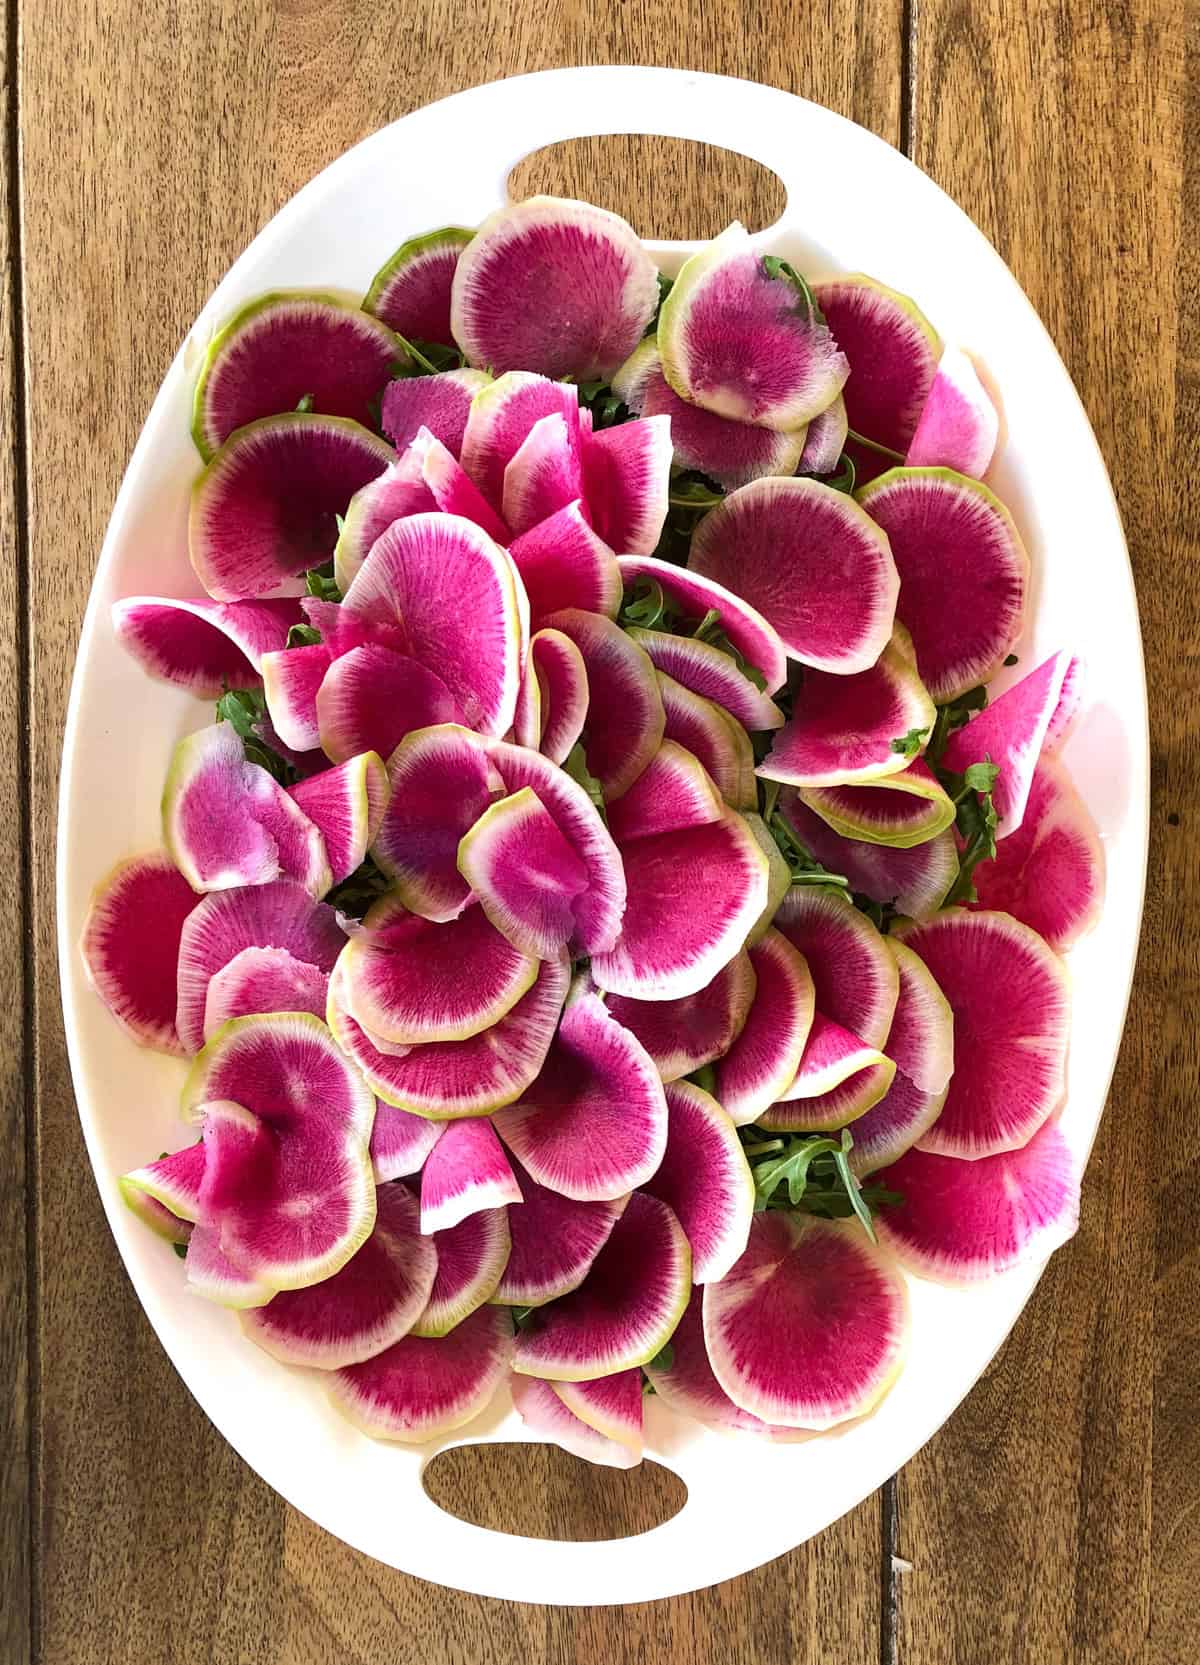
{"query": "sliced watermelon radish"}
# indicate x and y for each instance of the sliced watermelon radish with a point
(705, 1179)
(375, 1299)
(471, 1258)
(588, 290)
(719, 742)
(277, 915)
(687, 1383)
(626, 479)
(557, 671)
(855, 981)
(411, 980)
(130, 947)
(554, 1240)
(502, 415)
(1050, 874)
(683, 1035)
(1069, 700)
(439, 403)
(959, 424)
(731, 453)
(346, 804)
(1011, 731)
(399, 490)
(625, 716)
(893, 351)
(545, 475)
(843, 727)
(263, 511)
(763, 1060)
(915, 880)
(288, 346)
(563, 562)
(203, 646)
(228, 822)
(400, 1142)
(455, 594)
(154, 1214)
(441, 783)
(779, 875)
(673, 790)
(291, 681)
(524, 873)
(738, 337)
(694, 895)
(626, 1308)
(825, 440)
(421, 1387)
(810, 560)
(695, 597)
(465, 1172)
(711, 673)
(810, 1328)
(832, 1055)
(371, 698)
(830, 1111)
(411, 290)
(543, 1412)
(612, 1405)
(961, 1222)
(1009, 995)
(172, 1183)
(963, 569)
(263, 980)
(900, 811)
(212, 1274)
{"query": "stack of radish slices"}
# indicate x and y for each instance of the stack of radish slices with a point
(614, 933)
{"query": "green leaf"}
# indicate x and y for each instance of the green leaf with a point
(1011, 660)
(976, 822)
(841, 1161)
(980, 777)
(359, 889)
(180, 1249)
(644, 606)
(805, 868)
(909, 745)
(305, 404)
(874, 445)
(790, 1169)
(845, 476)
(952, 717)
(576, 767)
(783, 270)
(663, 1359)
(320, 583)
(244, 710)
(302, 635)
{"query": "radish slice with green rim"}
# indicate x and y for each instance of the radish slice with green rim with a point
(625, 717)
(1011, 732)
(173, 1182)
(831, 1055)
(1010, 997)
(543, 1412)
(683, 1035)
(674, 790)
(705, 1179)
(545, 475)
(762, 1061)
(812, 562)
(291, 680)
(471, 1258)
(563, 562)
(524, 873)
(899, 811)
(687, 1383)
(372, 1302)
(411, 290)
(719, 741)
(626, 1308)
(963, 571)
(961, 1222)
(554, 1240)
(501, 416)
(263, 510)
(612, 1405)
(959, 424)
(626, 480)
(400, 490)
(451, 489)
(589, 286)
(346, 804)
(201, 645)
(743, 341)
(810, 1328)
(154, 1214)
(914, 880)
(779, 875)
(400, 1142)
(830, 1111)
(285, 347)
(440, 403)
(130, 947)
(824, 440)
(212, 1274)
(441, 783)
(695, 596)
(708, 671)
(855, 980)
(465, 1172)
(557, 671)
(371, 699)
(263, 980)
(422, 1387)
(893, 351)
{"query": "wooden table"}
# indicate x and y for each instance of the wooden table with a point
(1057, 1517)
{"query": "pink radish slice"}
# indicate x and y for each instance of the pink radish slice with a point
(400, 1142)
(688, 1385)
(154, 1214)
(451, 489)
(674, 790)
(959, 425)
(524, 873)
(705, 1179)
(1009, 995)
(695, 597)
(375, 1299)
(1067, 709)
(263, 980)
(501, 417)
(471, 1257)
(563, 562)
(810, 1327)
(421, 1387)
(201, 645)
(441, 783)
(466, 1171)
(825, 440)
(809, 560)
(292, 680)
(1011, 731)
(173, 1182)
(893, 351)
(841, 1105)
(543, 1412)
(440, 403)
(711, 673)
(545, 475)
(779, 875)
(915, 880)
(683, 1035)
(212, 1274)
(130, 947)
(763, 1060)
(560, 676)
(716, 739)
(554, 1241)
(411, 290)
(371, 699)
(899, 811)
(855, 981)
(612, 1405)
(961, 1222)
(625, 717)
(626, 477)
(831, 1055)
(346, 804)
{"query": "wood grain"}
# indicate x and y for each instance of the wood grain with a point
(1055, 1518)
(158, 137)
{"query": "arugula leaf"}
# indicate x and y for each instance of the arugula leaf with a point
(608, 409)
(663, 1359)
(644, 606)
(976, 822)
(359, 889)
(785, 271)
(426, 358)
(576, 767)
(791, 1170)
(805, 868)
(845, 476)
(665, 286)
(245, 709)
(909, 745)
(952, 717)
(814, 1170)
(874, 445)
(180, 1249)
(302, 635)
(320, 581)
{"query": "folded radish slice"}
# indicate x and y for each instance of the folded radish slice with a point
(346, 804)
(1009, 995)
(779, 875)
(855, 980)
(589, 285)
(212, 1274)
(893, 351)
(466, 1171)
(524, 873)
(422, 1387)
(706, 1180)
(899, 811)
(824, 440)
(502, 415)
(400, 490)
(711, 673)
(284, 347)
(963, 570)
(277, 915)
(832, 1055)
(683, 1035)
(1050, 874)
(203, 646)
(154, 1214)
(625, 715)
(471, 1257)
(810, 1328)
(558, 676)
(763, 1060)
(450, 488)
(375, 1299)
(812, 562)
(915, 880)
(612, 1405)
(292, 679)
(410, 980)
(554, 1240)
(626, 477)
(745, 343)
(371, 698)
(626, 1308)
(411, 290)
(263, 511)
(688, 1385)
(1011, 730)
(400, 1142)
(843, 727)
(961, 1222)
(696, 596)
(718, 740)
(674, 790)
(830, 1111)
(563, 562)
(543, 1411)
(545, 475)
(173, 1182)
(441, 783)
(959, 425)
(263, 980)
(440, 403)
(130, 947)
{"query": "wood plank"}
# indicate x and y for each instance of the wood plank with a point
(1064, 130)
(145, 173)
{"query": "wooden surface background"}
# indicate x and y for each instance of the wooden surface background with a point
(1057, 1517)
